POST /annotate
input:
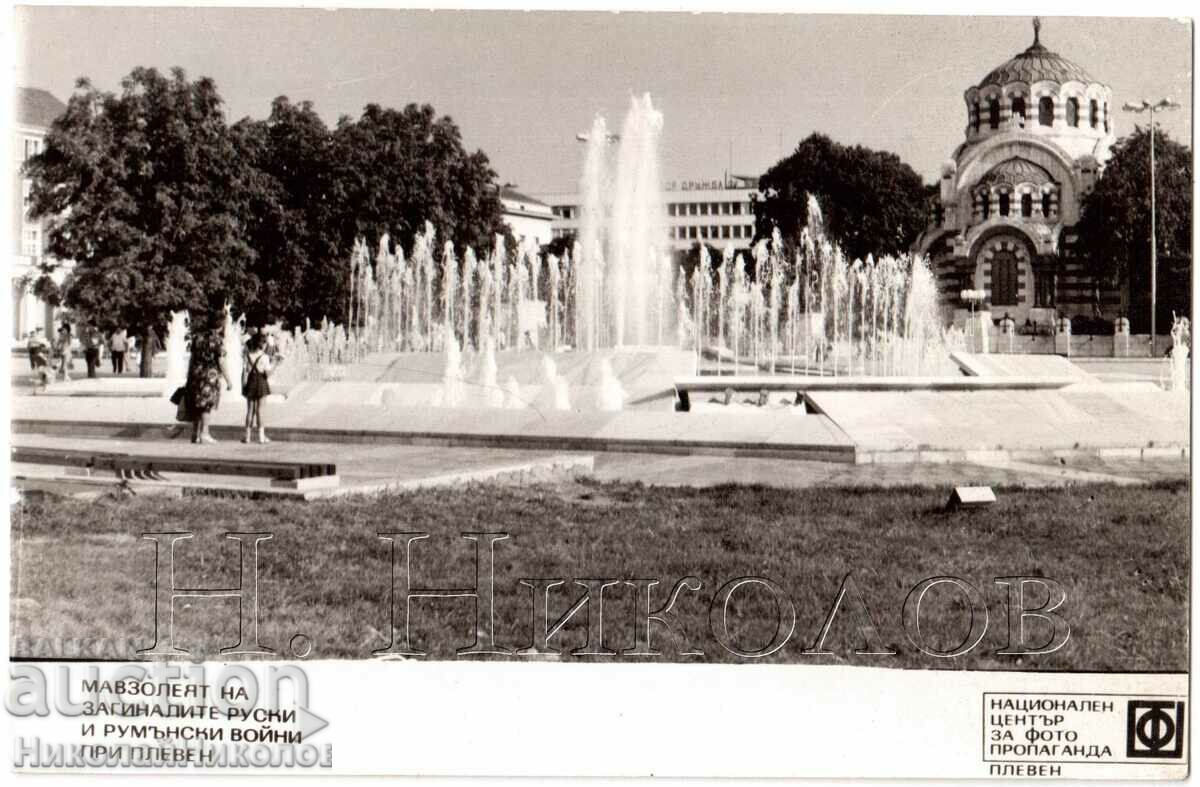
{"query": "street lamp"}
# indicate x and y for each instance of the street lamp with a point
(609, 138)
(1145, 106)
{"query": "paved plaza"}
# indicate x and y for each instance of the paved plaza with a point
(377, 468)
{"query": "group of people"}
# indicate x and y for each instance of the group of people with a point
(208, 376)
(54, 360)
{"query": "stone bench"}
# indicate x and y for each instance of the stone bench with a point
(149, 467)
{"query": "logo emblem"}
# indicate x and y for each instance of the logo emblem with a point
(1155, 729)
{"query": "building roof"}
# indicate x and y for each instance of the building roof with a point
(515, 196)
(1015, 171)
(1037, 64)
(36, 107)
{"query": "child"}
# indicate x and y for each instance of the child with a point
(255, 386)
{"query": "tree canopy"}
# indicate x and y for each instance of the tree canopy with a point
(144, 191)
(396, 169)
(164, 206)
(872, 202)
(296, 213)
(1114, 226)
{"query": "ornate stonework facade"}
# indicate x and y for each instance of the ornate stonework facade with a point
(1038, 134)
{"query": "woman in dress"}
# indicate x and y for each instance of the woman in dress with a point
(255, 387)
(206, 372)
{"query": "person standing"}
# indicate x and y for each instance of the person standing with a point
(37, 356)
(255, 386)
(206, 372)
(63, 350)
(116, 345)
(91, 348)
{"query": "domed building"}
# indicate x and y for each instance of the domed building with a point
(1037, 137)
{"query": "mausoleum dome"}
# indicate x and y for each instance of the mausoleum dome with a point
(1037, 64)
(1041, 95)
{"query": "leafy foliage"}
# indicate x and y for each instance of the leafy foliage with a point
(163, 206)
(145, 193)
(294, 213)
(872, 202)
(397, 169)
(1114, 228)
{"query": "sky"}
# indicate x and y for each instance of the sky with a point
(737, 91)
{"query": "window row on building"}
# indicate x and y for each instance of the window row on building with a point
(999, 202)
(31, 231)
(708, 209)
(677, 209)
(716, 232)
(1096, 112)
(713, 232)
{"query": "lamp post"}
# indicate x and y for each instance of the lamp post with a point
(1145, 106)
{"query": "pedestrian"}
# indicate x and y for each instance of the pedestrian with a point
(37, 350)
(117, 345)
(206, 372)
(255, 386)
(63, 351)
(91, 348)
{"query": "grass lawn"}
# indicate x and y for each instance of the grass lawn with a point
(82, 570)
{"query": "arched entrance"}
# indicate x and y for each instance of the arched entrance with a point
(1003, 268)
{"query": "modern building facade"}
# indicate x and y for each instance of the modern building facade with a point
(715, 211)
(1038, 133)
(528, 218)
(35, 111)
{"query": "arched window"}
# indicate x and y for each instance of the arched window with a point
(994, 112)
(1004, 200)
(1018, 109)
(1027, 205)
(985, 205)
(1073, 112)
(1046, 111)
(1046, 204)
(974, 116)
(1105, 117)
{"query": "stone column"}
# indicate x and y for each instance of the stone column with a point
(1062, 336)
(1121, 337)
(981, 327)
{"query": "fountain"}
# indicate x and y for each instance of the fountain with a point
(452, 392)
(512, 395)
(555, 383)
(624, 288)
(1177, 362)
(177, 353)
(488, 373)
(233, 349)
(611, 395)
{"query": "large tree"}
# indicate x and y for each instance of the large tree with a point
(397, 169)
(872, 202)
(1114, 227)
(296, 215)
(145, 193)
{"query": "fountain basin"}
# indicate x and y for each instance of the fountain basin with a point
(685, 387)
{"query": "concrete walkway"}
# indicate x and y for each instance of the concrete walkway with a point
(361, 469)
(713, 471)
(373, 468)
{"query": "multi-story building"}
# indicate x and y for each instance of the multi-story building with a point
(36, 110)
(715, 212)
(527, 217)
(1039, 129)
